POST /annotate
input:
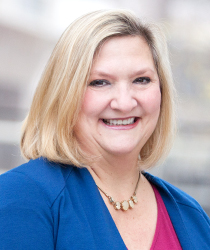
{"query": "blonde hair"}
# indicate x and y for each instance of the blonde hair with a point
(48, 130)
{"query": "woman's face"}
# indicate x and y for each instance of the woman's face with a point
(121, 105)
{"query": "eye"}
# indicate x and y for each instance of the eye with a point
(99, 83)
(142, 80)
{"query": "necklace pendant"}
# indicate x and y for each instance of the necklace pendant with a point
(124, 205)
(134, 199)
(117, 205)
(131, 203)
(111, 199)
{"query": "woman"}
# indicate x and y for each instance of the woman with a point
(101, 115)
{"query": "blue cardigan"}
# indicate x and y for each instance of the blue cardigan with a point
(46, 206)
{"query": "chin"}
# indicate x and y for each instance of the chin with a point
(123, 151)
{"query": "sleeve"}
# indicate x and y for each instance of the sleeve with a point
(25, 215)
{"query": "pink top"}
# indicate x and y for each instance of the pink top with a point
(165, 236)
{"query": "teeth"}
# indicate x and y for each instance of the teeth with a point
(119, 122)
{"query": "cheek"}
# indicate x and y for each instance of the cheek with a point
(93, 103)
(89, 99)
(152, 101)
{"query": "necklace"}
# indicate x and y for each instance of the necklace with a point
(123, 205)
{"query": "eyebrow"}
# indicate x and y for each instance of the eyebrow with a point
(135, 73)
(143, 71)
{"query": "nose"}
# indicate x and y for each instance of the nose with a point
(123, 99)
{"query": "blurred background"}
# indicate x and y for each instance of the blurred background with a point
(29, 30)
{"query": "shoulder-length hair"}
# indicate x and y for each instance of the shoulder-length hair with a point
(48, 130)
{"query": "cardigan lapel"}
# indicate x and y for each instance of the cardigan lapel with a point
(97, 214)
(173, 211)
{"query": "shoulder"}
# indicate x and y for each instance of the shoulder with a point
(166, 189)
(27, 197)
(37, 177)
(173, 197)
(190, 221)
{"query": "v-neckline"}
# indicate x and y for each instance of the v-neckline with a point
(108, 214)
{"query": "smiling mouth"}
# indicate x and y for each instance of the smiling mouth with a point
(120, 122)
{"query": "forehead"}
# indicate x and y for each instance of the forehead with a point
(123, 50)
(115, 40)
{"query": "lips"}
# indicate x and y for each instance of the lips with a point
(119, 122)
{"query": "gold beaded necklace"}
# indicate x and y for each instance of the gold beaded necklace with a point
(123, 205)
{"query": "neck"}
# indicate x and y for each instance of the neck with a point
(117, 176)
